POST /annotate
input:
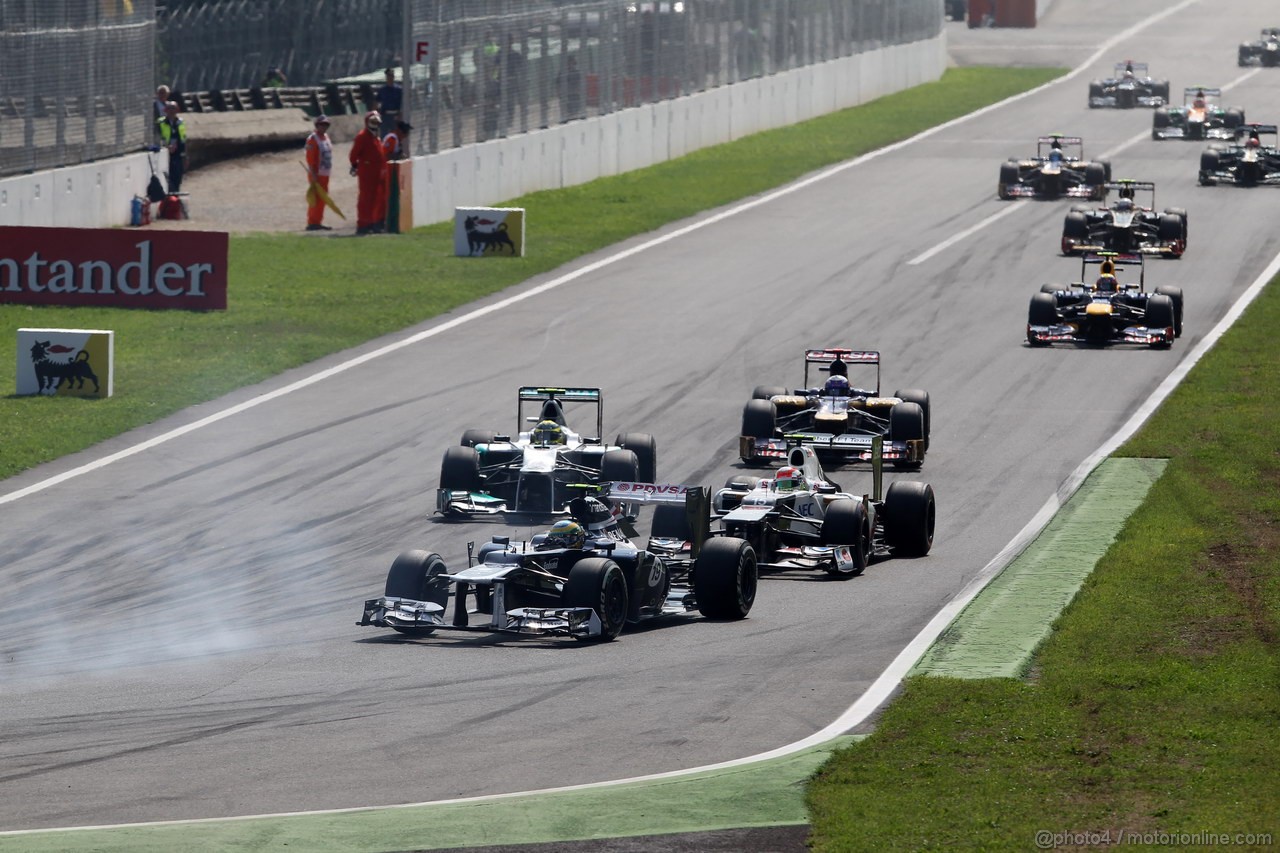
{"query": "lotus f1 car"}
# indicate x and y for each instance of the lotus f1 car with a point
(1129, 87)
(1058, 169)
(533, 470)
(1126, 226)
(799, 519)
(1265, 51)
(1201, 116)
(1104, 311)
(586, 587)
(838, 419)
(1247, 162)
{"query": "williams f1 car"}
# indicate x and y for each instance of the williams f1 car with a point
(1058, 169)
(1247, 162)
(1126, 226)
(1265, 51)
(1105, 311)
(534, 470)
(1130, 87)
(1201, 116)
(583, 579)
(799, 519)
(840, 418)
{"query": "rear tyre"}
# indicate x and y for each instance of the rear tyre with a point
(765, 392)
(598, 583)
(460, 470)
(1174, 293)
(760, 419)
(724, 578)
(845, 523)
(472, 437)
(909, 517)
(1233, 118)
(418, 576)
(645, 448)
(619, 466)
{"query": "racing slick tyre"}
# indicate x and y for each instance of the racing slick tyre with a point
(598, 583)
(670, 522)
(472, 437)
(1095, 177)
(1008, 178)
(1174, 293)
(921, 398)
(1075, 229)
(766, 392)
(645, 448)
(1159, 121)
(1208, 165)
(1242, 55)
(418, 576)
(1050, 288)
(736, 488)
(1106, 167)
(909, 516)
(1160, 314)
(460, 470)
(1043, 312)
(1161, 89)
(1233, 118)
(1095, 91)
(620, 466)
(907, 423)
(724, 578)
(1172, 228)
(845, 523)
(760, 419)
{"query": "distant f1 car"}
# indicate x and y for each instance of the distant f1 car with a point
(1130, 87)
(1246, 162)
(1126, 226)
(1265, 51)
(840, 418)
(1105, 311)
(799, 519)
(583, 579)
(534, 470)
(1058, 169)
(1200, 116)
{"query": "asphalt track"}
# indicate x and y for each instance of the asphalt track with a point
(178, 641)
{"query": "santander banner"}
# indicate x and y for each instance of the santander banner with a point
(115, 268)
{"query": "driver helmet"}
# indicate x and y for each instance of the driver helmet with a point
(548, 432)
(836, 386)
(1124, 203)
(1107, 283)
(789, 479)
(564, 534)
(1254, 142)
(1199, 102)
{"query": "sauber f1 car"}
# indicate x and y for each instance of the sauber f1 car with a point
(799, 519)
(533, 470)
(1130, 87)
(1265, 51)
(1200, 116)
(583, 579)
(1247, 162)
(840, 418)
(1058, 169)
(1104, 311)
(1126, 226)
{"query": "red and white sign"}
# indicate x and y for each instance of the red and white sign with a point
(422, 51)
(103, 267)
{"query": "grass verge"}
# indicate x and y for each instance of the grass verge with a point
(294, 299)
(1151, 713)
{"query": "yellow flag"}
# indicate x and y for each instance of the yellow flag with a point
(315, 191)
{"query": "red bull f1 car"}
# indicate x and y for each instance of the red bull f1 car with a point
(798, 519)
(535, 469)
(1265, 51)
(585, 578)
(1200, 116)
(1127, 226)
(1103, 310)
(1251, 160)
(1058, 170)
(1131, 86)
(840, 418)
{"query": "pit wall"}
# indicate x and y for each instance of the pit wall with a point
(99, 195)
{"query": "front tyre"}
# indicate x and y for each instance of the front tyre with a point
(724, 578)
(845, 522)
(418, 576)
(598, 583)
(460, 470)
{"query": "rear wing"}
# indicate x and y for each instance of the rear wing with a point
(1208, 91)
(1045, 144)
(697, 504)
(1245, 131)
(1118, 259)
(1126, 188)
(831, 356)
(1138, 68)
(541, 397)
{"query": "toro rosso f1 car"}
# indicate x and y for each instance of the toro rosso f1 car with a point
(1104, 311)
(799, 519)
(1247, 162)
(1126, 226)
(1130, 87)
(1265, 51)
(1058, 169)
(584, 578)
(534, 469)
(840, 418)
(1200, 116)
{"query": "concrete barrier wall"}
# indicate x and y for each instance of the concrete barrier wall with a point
(493, 172)
(92, 195)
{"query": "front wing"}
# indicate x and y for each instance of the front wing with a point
(1068, 333)
(1028, 190)
(1138, 101)
(424, 616)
